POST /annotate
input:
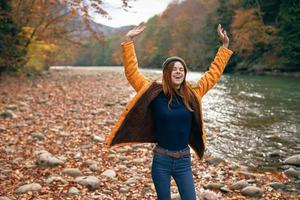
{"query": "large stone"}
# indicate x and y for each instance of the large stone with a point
(293, 160)
(2, 128)
(4, 198)
(74, 172)
(38, 136)
(109, 173)
(94, 167)
(225, 189)
(240, 185)
(215, 161)
(28, 187)
(214, 186)
(11, 107)
(56, 179)
(73, 191)
(276, 185)
(97, 138)
(91, 182)
(292, 173)
(47, 160)
(208, 196)
(124, 190)
(252, 191)
(8, 114)
(90, 162)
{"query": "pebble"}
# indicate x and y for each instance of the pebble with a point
(38, 136)
(175, 196)
(47, 160)
(2, 128)
(252, 191)
(97, 138)
(63, 134)
(293, 160)
(139, 160)
(90, 162)
(207, 195)
(276, 185)
(292, 173)
(240, 185)
(77, 156)
(225, 190)
(275, 154)
(130, 181)
(41, 101)
(11, 107)
(215, 161)
(55, 178)
(109, 173)
(4, 198)
(124, 190)
(233, 166)
(94, 167)
(73, 191)
(8, 114)
(74, 172)
(91, 182)
(215, 186)
(28, 187)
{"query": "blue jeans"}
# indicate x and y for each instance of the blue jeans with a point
(163, 167)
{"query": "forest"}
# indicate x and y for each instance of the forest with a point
(264, 35)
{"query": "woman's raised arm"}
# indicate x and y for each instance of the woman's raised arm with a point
(210, 78)
(132, 73)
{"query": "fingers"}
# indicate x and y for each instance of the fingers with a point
(221, 31)
(140, 26)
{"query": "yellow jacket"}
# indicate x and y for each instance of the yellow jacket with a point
(135, 123)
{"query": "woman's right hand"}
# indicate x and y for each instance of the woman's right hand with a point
(135, 31)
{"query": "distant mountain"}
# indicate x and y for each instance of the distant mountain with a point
(107, 30)
(80, 29)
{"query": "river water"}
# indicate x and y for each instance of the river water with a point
(252, 120)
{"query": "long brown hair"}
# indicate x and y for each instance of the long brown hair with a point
(169, 89)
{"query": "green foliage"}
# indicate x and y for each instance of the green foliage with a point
(289, 31)
(12, 54)
(99, 53)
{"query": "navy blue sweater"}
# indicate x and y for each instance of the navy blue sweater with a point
(171, 127)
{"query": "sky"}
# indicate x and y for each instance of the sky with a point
(141, 10)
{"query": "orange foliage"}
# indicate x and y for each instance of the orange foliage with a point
(250, 33)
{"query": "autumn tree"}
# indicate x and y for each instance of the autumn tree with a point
(11, 55)
(251, 36)
(44, 24)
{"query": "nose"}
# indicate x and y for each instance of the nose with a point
(177, 71)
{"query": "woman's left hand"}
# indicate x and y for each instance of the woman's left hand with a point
(223, 36)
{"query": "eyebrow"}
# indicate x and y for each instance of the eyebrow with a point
(180, 67)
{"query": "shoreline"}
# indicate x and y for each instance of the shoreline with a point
(69, 114)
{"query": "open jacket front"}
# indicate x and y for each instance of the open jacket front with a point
(135, 124)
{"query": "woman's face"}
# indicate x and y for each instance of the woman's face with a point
(177, 74)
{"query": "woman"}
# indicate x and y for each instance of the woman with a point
(168, 114)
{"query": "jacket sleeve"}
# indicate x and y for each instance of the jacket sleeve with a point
(210, 77)
(132, 73)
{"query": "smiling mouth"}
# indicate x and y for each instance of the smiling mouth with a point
(178, 77)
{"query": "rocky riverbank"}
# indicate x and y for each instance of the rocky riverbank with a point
(52, 130)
